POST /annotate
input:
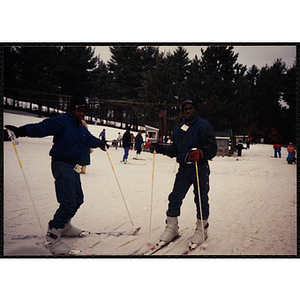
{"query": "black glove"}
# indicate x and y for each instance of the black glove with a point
(18, 131)
(153, 147)
(104, 146)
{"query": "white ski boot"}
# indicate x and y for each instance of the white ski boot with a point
(54, 243)
(71, 231)
(171, 230)
(197, 238)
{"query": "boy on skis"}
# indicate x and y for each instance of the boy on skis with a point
(192, 140)
(70, 138)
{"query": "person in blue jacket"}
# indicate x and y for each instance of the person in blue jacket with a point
(192, 140)
(138, 143)
(70, 139)
(291, 158)
(126, 141)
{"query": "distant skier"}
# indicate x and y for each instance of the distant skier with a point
(290, 148)
(147, 144)
(193, 140)
(119, 140)
(138, 144)
(69, 143)
(126, 142)
(248, 143)
(102, 136)
(239, 147)
(277, 150)
(291, 158)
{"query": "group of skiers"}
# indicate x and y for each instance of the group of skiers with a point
(193, 143)
(291, 158)
(128, 140)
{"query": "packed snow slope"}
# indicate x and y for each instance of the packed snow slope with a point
(252, 200)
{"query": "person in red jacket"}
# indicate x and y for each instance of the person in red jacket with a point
(277, 149)
(290, 148)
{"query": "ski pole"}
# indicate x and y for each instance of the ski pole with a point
(151, 197)
(200, 206)
(14, 142)
(119, 187)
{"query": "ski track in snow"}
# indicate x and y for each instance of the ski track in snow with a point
(252, 200)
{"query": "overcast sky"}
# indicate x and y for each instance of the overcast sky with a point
(248, 55)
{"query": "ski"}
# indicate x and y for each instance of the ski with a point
(192, 247)
(107, 233)
(158, 246)
(119, 233)
(72, 252)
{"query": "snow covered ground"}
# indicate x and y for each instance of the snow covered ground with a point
(252, 200)
(253, 212)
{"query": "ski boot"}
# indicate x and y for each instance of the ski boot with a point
(197, 238)
(71, 231)
(54, 243)
(171, 230)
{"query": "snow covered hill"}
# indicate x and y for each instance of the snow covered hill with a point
(252, 200)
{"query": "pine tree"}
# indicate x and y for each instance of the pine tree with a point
(221, 76)
(269, 93)
(74, 69)
(289, 113)
(194, 81)
(125, 72)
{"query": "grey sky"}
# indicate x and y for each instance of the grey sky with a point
(248, 55)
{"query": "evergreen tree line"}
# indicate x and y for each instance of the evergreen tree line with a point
(151, 84)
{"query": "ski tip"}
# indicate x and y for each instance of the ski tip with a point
(204, 245)
(84, 233)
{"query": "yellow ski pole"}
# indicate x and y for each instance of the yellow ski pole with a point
(14, 142)
(200, 205)
(151, 203)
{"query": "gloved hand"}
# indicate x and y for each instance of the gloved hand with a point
(196, 154)
(103, 147)
(18, 131)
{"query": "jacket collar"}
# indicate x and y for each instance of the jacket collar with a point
(191, 122)
(74, 119)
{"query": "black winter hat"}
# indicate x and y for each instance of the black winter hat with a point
(77, 101)
(190, 100)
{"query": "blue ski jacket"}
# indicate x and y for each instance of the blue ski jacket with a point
(69, 136)
(138, 140)
(196, 134)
